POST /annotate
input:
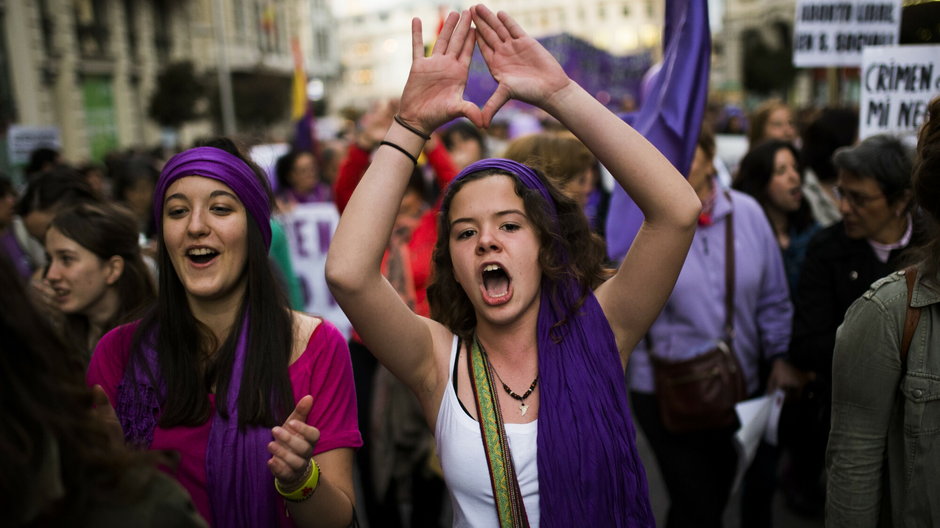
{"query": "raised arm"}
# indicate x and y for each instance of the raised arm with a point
(402, 341)
(526, 71)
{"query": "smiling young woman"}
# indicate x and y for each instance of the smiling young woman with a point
(222, 371)
(527, 340)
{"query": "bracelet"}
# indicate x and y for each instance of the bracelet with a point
(305, 491)
(400, 149)
(414, 130)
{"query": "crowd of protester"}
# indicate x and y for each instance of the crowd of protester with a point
(794, 268)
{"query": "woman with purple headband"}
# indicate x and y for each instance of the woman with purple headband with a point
(256, 399)
(521, 371)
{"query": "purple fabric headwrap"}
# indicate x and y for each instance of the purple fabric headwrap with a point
(238, 480)
(590, 473)
(217, 164)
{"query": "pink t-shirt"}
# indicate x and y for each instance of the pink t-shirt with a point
(323, 370)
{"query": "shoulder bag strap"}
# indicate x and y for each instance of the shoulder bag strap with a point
(509, 506)
(729, 285)
(729, 276)
(911, 318)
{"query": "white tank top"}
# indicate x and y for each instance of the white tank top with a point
(460, 446)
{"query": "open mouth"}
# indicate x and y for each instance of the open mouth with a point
(496, 284)
(201, 255)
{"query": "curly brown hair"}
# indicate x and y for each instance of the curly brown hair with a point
(567, 247)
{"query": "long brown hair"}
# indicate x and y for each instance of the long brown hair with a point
(183, 343)
(108, 230)
(569, 235)
(46, 417)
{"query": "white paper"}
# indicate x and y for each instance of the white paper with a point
(759, 418)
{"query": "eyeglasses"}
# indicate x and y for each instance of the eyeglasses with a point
(856, 199)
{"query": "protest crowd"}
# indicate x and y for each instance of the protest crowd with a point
(444, 314)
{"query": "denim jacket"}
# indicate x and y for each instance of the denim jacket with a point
(884, 448)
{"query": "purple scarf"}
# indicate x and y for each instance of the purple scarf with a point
(238, 481)
(590, 473)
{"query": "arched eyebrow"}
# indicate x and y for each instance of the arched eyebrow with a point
(497, 214)
(213, 194)
(220, 192)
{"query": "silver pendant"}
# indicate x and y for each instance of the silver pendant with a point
(523, 408)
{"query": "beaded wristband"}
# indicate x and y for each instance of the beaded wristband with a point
(305, 491)
(414, 130)
(400, 149)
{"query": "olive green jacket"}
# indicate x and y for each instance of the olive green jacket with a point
(884, 449)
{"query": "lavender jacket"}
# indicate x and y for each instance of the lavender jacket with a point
(693, 318)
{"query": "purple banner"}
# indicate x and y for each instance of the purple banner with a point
(609, 78)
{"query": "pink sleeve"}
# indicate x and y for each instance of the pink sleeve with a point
(106, 367)
(325, 371)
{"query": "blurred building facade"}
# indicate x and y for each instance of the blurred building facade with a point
(376, 42)
(90, 67)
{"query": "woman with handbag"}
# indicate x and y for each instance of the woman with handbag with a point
(728, 313)
(520, 372)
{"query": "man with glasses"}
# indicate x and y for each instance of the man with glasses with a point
(877, 227)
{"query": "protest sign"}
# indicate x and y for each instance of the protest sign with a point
(309, 229)
(834, 32)
(23, 140)
(897, 83)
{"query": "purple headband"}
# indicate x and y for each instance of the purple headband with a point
(217, 164)
(525, 173)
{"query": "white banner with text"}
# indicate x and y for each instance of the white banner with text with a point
(309, 229)
(834, 32)
(897, 83)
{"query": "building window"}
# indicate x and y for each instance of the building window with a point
(361, 49)
(161, 29)
(48, 27)
(130, 26)
(323, 45)
(7, 105)
(241, 20)
(363, 76)
(91, 27)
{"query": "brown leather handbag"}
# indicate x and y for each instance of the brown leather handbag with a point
(700, 393)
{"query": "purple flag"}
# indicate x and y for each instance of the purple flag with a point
(671, 112)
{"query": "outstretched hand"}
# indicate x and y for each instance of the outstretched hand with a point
(292, 447)
(433, 94)
(524, 69)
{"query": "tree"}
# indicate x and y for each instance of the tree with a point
(177, 96)
(768, 68)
